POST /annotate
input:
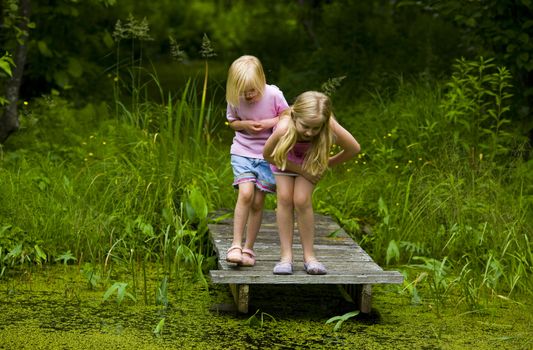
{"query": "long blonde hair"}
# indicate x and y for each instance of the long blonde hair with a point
(246, 72)
(310, 105)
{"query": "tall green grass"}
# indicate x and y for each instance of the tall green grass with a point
(134, 187)
(450, 203)
(117, 190)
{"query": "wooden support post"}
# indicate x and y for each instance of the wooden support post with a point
(365, 299)
(360, 294)
(241, 295)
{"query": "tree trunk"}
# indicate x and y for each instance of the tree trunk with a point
(9, 121)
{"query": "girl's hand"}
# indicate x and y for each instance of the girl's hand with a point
(349, 145)
(255, 127)
(311, 178)
(251, 126)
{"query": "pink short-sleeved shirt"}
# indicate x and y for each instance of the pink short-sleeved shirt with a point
(271, 104)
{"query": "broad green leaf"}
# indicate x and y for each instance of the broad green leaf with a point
(158, 330)
(110, 291)
(393, 252)
(6, 67)
(108, 40)
(74, 68)
(40, 253)
(61, 78)
(16, 251)
(340, 319)
(43, 48)
(199, 203)
(4, 229)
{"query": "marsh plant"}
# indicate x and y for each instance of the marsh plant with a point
(476, 105)
(438, 277)
(158, 329)
(136, 32)
(331, 85)
(258, 319)
(118, 288)
(339, 320)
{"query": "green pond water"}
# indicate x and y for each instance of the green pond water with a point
(55, 308)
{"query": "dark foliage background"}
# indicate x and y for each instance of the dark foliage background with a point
(302, 43)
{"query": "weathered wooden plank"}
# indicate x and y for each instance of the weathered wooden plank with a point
(337, 266)
(273, 246)
(324, 228)
(301, 277)
(263, 252)
(271, 238)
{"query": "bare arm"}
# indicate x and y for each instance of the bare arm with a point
(269, 123)
(349, 145)
(250, 126)
(274, 139)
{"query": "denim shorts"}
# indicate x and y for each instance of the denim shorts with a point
(253, 170)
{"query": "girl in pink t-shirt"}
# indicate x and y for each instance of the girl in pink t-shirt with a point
(253, 110)
(299, 150)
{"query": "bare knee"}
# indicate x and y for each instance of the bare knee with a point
(284, 200)
(302, 203)
(246, 195)
(258, 201)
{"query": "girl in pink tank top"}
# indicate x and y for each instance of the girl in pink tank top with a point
(299, 149)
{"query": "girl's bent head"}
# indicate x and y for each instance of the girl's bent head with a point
(310, 122)
(310, 113)
(246, 79)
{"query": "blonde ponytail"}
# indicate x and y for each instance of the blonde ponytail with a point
(285, 144)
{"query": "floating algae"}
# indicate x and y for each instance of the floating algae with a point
(56, 308)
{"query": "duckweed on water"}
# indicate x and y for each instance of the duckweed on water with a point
(55, 309)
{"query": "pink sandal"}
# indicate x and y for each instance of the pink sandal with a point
(248, 257)
(234, 254)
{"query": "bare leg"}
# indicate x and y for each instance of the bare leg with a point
(242, 210)
(255, 217)
(303, 192)
(285, 215)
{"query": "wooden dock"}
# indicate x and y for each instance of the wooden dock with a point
(347, 263)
